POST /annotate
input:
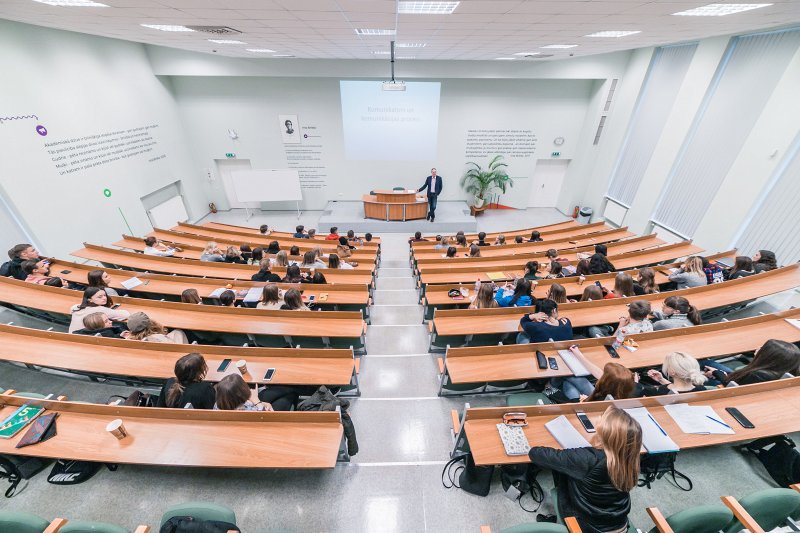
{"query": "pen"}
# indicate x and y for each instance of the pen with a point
(657, 424)
(718, 421)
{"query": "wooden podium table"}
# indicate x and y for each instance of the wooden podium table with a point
(394, 205)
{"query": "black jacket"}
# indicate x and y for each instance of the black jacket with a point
(433, 190)
(200, 394)
(114, 332)
(265, 275)
(15, 269)
(586, 491)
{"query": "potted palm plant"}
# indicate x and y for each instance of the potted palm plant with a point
(481, 182)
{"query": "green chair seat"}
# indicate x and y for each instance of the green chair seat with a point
(200, 511)
(540, 527)
(34, 395)
(79, 526)
(701, 519)
(526, 398)
(22, 522)
(769, 508)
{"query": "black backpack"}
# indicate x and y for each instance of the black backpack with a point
(519, 480)
(461, 472)
(653, 466)
(66, 472)
(782, 460)
(15, 468)
(5, 269)
(187, 524)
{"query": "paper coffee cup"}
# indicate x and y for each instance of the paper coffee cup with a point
(241, 366)
(117, 428)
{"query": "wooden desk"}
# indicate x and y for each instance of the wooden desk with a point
(185, 437)
(156, 361)
(214, 231)
(773, 407)
(550, 232)
(186, 267)
(238, 320)
(491, 364)
(601, 237)
(161, 285)
(451, 326)
(391, 205)
(282, 234)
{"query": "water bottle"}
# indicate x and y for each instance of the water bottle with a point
(619, 339)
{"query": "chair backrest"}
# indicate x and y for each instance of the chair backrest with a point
(701, 519)
(200, 511)
(20, 522)
(769, 508)
(542, 527)
(79, 526)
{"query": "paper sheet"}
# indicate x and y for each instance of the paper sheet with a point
(131, 283)
(793, 321)
(253, 294)
(695, 419)
(566, 434)
(573, 363)
(654, 437)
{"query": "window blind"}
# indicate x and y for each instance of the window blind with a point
(664, 76)
(743, 83)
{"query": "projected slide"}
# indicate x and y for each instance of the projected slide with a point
(390, 125)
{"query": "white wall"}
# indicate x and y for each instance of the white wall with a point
(79, 86)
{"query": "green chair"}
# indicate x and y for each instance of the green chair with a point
(769, 508)
(79, 526)
(560, 519)
(701, 519)
(200, 511)
(19, 522)
(541, 527)
(526, 398)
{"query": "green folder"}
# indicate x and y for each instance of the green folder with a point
(17, 421)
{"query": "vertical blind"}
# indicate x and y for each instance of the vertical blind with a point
(665, 74)
(772, 222)
(744, 81)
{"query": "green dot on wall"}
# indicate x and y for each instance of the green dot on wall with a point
(107, 193)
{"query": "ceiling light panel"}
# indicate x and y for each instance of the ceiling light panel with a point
(527, 53)
(166, 27)
(225, 41)
(426, 8)
(613, 33)
(71, 3)
(368, 31)
(719, 10)
(559, 46)
(504, 59)
(261, 50)
(411, 45)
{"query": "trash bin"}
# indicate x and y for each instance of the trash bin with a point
(585, 215)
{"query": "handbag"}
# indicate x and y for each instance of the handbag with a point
(461, 472)
(654, 466)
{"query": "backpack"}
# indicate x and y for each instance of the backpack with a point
(67, 472)
(653, 466)
(137, 399)
(519, 480)
(187, 524)
(15, 468)
(5, 269)
(781, 460)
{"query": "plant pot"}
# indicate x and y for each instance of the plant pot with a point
(478, 202)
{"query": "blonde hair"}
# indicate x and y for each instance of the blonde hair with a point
(281, 259)
(210, 248)
(620, 438)
(695, 265)
(94, 321)
(484, 299)
(683, 366)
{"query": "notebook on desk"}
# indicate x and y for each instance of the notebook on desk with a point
(514, 440)
(654, 437)
(496, 276)
(575, 366)
(565, 433)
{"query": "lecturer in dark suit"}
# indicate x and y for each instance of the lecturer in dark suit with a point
(434, 185)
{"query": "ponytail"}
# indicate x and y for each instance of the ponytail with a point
(191, 368)
(694, 315)
(174, 394)
(682, 305)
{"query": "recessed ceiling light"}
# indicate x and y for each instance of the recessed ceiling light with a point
(261, 50)
(368, 31)
(381, 52)
(71, 3)
(559, 46)
(527, 53)
(718, 10)
(283, 55)
(405, 57)
(426, 8)
(411, 45)
(612, 33)
(225, 41)
(504, 58)
(167, 27)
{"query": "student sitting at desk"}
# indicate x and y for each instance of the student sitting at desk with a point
(353, 240)
(95, 300)
(772, 361)
(257, 255)
(18, 254)
(544, 324)
(558, 294)
(519, 295)
(310, 261)
(764, 261)
(227, 299)
(461, 240)
(143, 328)
(271, 298)
(187, 388)
(482, 239)
(676, 312)
(531, 271)
(690, 274)
(451, 253)
(293, 301)
(212, 253)
(594, 483)
(232, 255)
(418, 237)
(623, 287)
(333, 235)
(273, 248)
(500, 240)
(613, 379)
(98, 324)
(36, 271)
(190, 296)
(582, 268)
(153, 246)
(679, 373)
(101, 279)
(335, 262)
(742, 267)
(484, 297)
(264, 273)
(443, 242)
(294, 251)
(233, 394)
(474, 251)
(246, 253)
(636, 321)
(264, 229)
(519, 239)
(300, 233)
(281, 260)
(556, 270)
(312, 233)
(592, 293)
(599, 264)
(645, 282)
(535, 237)
(294, 275)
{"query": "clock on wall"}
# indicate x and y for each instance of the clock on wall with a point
(558, 141)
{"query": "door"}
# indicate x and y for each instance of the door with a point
(224, 169)
(548, 177)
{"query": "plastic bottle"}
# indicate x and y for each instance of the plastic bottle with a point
(619, 339)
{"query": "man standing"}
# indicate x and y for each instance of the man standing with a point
(434, 185)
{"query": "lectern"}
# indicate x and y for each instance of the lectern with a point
(395, 205)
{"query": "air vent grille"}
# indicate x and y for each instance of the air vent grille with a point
(215, 30)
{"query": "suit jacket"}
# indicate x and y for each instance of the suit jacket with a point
(433, 190)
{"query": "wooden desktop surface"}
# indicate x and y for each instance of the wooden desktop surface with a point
(184, 437)
(288, 234)
(162, 284)
(197, 317)
(188, 267)
(99, 355)
(389, 197)
(773, 407)
(501, 320)
(518, 361)
(548, 233)
(214, 231)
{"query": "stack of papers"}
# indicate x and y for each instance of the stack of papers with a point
(253, 295)
(131, 283)
(698, 419)
(565, 433)
(573, 363)
(654, 438)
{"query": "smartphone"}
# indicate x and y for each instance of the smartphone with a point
(115, 306)
(598, 284)
(585, 422)
(739, 417)
(541, 360)
(612, 351)
(311, 298)
(269, 374)
(553, 364)
(66, 271)
(223, 365)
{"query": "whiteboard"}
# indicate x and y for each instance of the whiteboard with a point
(168, 214)
(614, 212)
(266, 185)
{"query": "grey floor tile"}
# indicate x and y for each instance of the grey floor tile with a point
(397, 339)
(407, 283)
(395, 296)
(394, 263)
(409, 314)
(399, 377)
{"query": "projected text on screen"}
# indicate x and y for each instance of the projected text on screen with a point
(390, 125)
